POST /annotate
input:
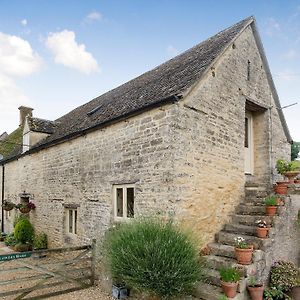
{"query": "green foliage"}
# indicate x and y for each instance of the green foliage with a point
(284, 275)
(230, 275)
(295, 148)
(18, 218)
(271, 201)
(222, 297)
(24, 231)
(274, 293)
(283, 166)
(10, 240)
(153, 257)
(40, 241)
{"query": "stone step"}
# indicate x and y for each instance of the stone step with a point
(251, 209)
(207, 291)
(213, 278)
(219, 262)
(240, 229)
(255, 192)
(250, 219)
(227, 238)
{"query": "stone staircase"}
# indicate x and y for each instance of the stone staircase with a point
(221, 252)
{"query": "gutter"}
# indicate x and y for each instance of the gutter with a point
(2, 199)
(168, 100)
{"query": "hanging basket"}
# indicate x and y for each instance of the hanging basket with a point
(8, 206)
(25, 210)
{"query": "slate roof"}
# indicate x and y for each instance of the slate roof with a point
(156, 86)
(41, 125)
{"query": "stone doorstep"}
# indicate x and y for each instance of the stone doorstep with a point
(210, 292)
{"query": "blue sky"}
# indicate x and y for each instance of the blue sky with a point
(57, 55)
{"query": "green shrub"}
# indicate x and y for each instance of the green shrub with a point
(230, 275)
(153, 257)
(40, 241)
(10, 240)
(18, 218)
(24, 231)
(284, 275)
(275, 293)
(271, 201)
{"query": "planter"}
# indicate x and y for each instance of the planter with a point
(8, 207)
(25, 210)
(291, 176)
(295, 293)
(271, 210)
(120, 292)
(244, 256)
(256, 292)
(22, 247)
(229, 288)
(281, 187)
(262, 232)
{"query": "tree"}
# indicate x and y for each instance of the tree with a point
(295, 148)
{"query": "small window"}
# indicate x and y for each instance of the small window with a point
(123, 201)
(248, 70)
(72, 221)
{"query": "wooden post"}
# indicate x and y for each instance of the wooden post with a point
(93, 262)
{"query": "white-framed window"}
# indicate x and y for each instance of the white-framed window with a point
(123, 197)
(71, 218)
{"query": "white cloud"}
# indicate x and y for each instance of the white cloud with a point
(24, 22)
(172, 51)
(290, 54)
(69, 53)
(17, 58)
(93, 16)
(272, 27)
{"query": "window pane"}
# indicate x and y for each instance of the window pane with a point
(119, 202)
(70, 221)
(75, 221)
(130, 202)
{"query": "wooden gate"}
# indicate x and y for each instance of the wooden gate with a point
(45, 273)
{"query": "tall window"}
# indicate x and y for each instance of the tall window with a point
(72, 221)
(123, 201)
(248, 69)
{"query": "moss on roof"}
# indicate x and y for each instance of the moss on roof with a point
(13, 141)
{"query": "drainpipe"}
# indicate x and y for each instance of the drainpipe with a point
(2, 200)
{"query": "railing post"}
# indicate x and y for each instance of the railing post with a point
(93, 261)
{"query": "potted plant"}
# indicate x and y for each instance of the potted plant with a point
(256, 290)
(271, 206)
(25, 207)
(243, 251)
(229, 281)
(23, 234)
(40, 242)
(261, 229)
(281, 186)
(8, 205)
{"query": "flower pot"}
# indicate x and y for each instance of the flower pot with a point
(291, 176)
(271, 210)
(25, 210)
(229, 288)
(281, 188)
(256, 292)
(262, 232)
(294, 293)
(244, 256)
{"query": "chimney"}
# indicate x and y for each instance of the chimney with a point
(24, 112)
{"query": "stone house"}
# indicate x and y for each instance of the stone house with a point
(181, 140)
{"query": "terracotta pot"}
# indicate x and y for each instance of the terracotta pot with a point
(229, 288)
(291, 176)
(25, 210)
(281, 188)
(297, 181)
(271, 210)
(244, 256)
(295, 293)
(256, 292)
(262, 232)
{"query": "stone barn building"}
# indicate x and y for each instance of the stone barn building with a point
(181, 140)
